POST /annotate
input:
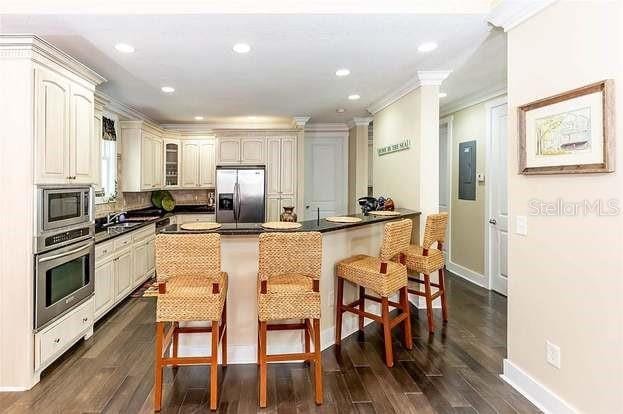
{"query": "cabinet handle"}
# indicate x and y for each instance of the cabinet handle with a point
(57, 340)
(85, 320)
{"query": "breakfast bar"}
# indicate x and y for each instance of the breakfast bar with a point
(239, 258)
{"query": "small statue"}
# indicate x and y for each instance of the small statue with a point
(288, 215)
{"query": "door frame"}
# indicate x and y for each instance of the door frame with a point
(449, 121)
(489, 106)
(343, 134)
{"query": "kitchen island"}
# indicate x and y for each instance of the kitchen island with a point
(239, 258)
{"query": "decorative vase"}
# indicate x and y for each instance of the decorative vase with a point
(288, 214)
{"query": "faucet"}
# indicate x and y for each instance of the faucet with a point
(111, 217)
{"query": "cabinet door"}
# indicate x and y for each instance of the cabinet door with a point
(207, 165)
(151, 255)
(81, 141)
(172, 157)
(158, 164)
(190, 164)
(123, 274)
(147, 163)
(228, 151)
(273, 208)
(252, 151)
(287, 202)
(52, 127)
(104, 287)
(288, 167)
(273, 166)
(140, 262)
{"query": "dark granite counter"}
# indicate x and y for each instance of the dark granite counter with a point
(309, 225)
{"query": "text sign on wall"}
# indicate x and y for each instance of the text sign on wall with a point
(401, 146)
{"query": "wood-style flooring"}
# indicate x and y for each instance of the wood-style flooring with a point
(454, 371)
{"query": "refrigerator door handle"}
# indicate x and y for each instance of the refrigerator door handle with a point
(239, 201)
(235, 200)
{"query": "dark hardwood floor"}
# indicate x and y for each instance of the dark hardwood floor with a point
(454, 371)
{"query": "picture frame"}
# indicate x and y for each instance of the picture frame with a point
(569, 133)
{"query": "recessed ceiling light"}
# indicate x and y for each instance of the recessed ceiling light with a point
(342, 72)
(198, 118)
(353, 97)
(124, 48)
(340, 110)
(427, 47)
(442, 94)
(167, 89)
(241, 48)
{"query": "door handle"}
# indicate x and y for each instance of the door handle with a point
(493, 221)
(56, 256)
(307, 207)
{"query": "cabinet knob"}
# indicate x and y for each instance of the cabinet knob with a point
(85, 320)
(57, 340)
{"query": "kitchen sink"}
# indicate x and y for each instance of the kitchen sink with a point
(119, 227)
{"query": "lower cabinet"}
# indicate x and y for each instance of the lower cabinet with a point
(275, 205)
(121, 265)
(187, 218)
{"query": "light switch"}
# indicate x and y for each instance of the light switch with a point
(521, 225)
(480, 177)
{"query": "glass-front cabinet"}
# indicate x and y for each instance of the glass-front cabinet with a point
(172, 163)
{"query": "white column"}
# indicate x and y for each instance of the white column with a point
(298, 122)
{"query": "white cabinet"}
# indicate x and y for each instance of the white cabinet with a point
(123, 274)
(247, 150)
(141, 157)
(281, 164)
(172, 163)
(64, 123)
(104, 286)
(187, 218)
(198, 167)
(140, 261)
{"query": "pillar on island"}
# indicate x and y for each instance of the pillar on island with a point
(357, 161)
(298, 123)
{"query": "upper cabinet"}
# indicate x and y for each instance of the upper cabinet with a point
(247, 150)
(281, 166)
(198, 166)
(142, 157)
(172, 163)
(64, 130)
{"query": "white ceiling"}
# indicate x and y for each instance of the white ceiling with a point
(290, 70)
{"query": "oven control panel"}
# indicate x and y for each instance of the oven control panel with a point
(66, 236)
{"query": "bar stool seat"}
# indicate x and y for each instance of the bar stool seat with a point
(192, 298)
(288, 296)
(415, 259)
(365, 271)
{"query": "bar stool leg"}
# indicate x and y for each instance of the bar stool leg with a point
(339, 311)
(362, 305)
(404, 302)
(307, 336)
(176, 339)
(442, 287)
(429, 304)
(214, 367)
(387, 333)
(262, 364)
(158, 366)
(318, 363)
(224, 340)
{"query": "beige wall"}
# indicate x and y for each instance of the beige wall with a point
(566, 275)
(468, 217)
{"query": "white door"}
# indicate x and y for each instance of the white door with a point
(325, 175)
(104, 286)
(207, 167)
(228, 151)
(273, 167)
(151, 255)
(147, 163)
(190, 164)
(140, 262)
(252, 151)
(158, 166)
(123, 274)
(444, 172)
(82, 142)
(498, 227)
(288, 167)
(273, 208)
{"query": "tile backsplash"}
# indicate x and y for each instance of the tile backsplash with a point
(135, 201)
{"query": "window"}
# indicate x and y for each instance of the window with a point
(107, 193)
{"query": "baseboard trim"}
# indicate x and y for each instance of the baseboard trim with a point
(534, 391)
(468, 274)
(13, 389)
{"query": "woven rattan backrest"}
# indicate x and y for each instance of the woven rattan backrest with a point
(282, 253)
(396, 238)
(188, 255)
(435, 230)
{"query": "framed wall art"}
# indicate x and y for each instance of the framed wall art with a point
(572, 132)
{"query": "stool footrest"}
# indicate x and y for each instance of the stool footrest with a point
(378, 300)
(299, 356)
(368, 315)
(398, 319)
(187, 360)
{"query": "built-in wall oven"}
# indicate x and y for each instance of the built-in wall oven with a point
(64, 250)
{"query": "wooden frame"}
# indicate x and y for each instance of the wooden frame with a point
(607, 89)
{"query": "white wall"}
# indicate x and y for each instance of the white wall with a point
(566, 275)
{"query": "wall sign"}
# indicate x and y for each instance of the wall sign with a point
(401, 146)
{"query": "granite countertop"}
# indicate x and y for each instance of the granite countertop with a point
(309, 225)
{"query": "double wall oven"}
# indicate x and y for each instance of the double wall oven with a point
(64, 251)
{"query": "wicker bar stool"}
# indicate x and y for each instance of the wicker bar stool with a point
(382, 276)
(191, 287)
(289, 288)
(426, 260)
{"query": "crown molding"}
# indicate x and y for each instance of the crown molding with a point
(125, 111)
(422, 78)
(33, 47)
(471, 100)
(300, 121)
(327, 127)
(359, 121)
(508, 13)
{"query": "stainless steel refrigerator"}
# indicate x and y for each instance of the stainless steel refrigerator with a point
(240, 194)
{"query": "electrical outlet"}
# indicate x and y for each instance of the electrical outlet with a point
(553, 354)
(521, 225)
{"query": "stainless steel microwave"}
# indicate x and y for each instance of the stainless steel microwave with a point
(62, 207)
